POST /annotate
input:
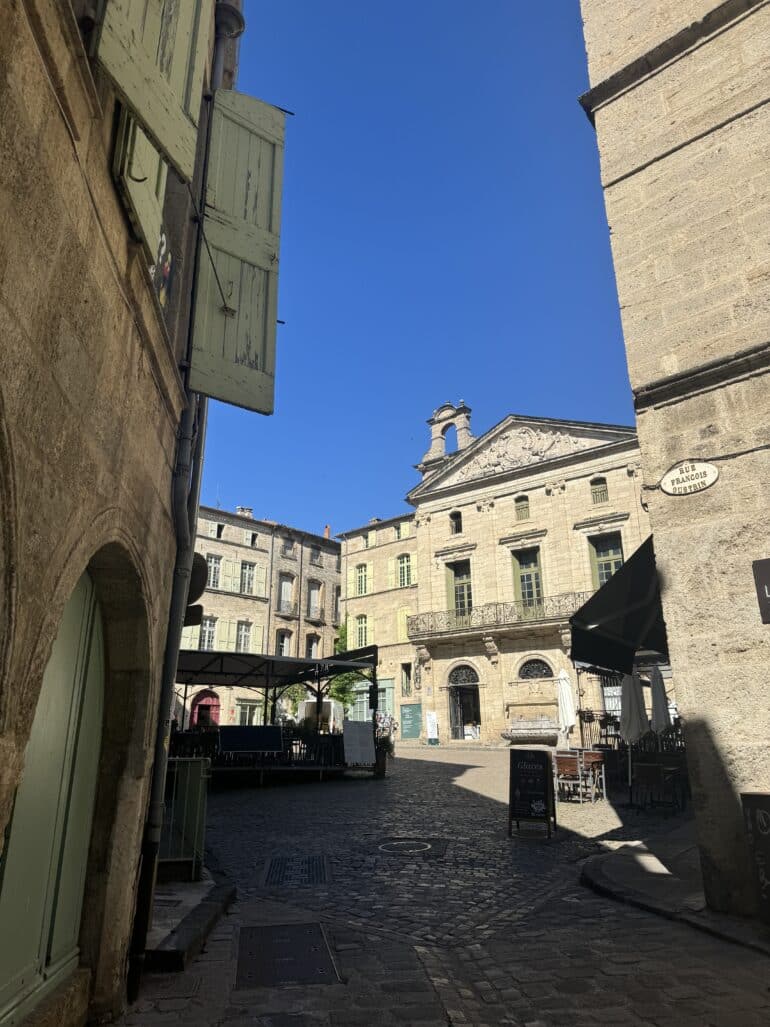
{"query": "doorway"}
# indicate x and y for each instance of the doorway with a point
(43, 866)
(464, 704)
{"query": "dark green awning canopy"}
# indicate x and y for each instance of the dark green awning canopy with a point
(622, 618)
(257, 670)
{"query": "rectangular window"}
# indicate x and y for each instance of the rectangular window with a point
(337, 598)
(243, 637)
(361, 579)
(404, 570)
(214, 564)
(606, 557)
(397, 532)
(527, 581)
(208, 629)
(287, 547)
(285, 594)
(283, 639)
(220, 531)
(314, 600)
(212, 529)
(362, 631)
(406, 679)
(522, 508)
(247, 578)
(249, 713)
(315, 555)
(311, 647)
(461, 587)
(599, 491)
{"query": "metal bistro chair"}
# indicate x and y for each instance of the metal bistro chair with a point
(569, 775)
(593, 772)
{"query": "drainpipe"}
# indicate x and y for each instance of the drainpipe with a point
(185, 494)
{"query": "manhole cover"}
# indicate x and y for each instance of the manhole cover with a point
(295, 872)
(407, 847)
(269, 957)
(420, 848)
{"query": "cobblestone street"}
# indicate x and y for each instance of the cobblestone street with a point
(476, 929)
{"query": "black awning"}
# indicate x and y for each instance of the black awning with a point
(256, 670)
(624, 616)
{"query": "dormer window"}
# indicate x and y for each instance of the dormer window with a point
(599, 491)
(455, 523)
(522, 508)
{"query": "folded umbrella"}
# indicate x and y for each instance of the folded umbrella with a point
(566, 703)
(661, 718)
(633, 716)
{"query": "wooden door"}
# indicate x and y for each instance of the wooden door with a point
(43, 867)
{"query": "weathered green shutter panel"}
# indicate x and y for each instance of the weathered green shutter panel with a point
(233, 353)
(594, 563)
(155, 53)
(450, 588)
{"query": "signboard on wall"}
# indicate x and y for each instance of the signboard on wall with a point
(688, 477)
(411, 720)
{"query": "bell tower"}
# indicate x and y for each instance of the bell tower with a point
(447, 416)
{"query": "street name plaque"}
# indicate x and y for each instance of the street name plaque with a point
(531, 792)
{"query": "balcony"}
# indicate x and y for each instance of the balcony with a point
(286, 608)
(495, 616)
(315, 613)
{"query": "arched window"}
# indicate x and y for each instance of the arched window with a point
(450, 438)
(455, 523)
(282, 643)
(535, 669)
(404, 570)
(599, 491)
(522, 508)
(463, 675)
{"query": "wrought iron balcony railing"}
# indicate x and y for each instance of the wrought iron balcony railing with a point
(496, 615)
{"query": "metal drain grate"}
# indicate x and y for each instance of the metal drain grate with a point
(296, 872)
(269, 957)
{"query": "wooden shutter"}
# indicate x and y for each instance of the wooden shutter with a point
(450, 587)
(413, 567)
(370, 630)
(257, 638)
(233, 353)
(391, 572)
(351, 591)
(227, 580)
(406, 527)
(260, 581)
(372, 538)
(594, 562)
(155, 52)
(369, 578)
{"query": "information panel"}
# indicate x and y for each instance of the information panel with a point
(411, 720)
(531, 792)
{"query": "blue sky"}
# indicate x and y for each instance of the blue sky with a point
(444, 238)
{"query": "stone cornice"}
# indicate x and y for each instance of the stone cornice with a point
(533, 535)
(601, 522)
(465, 548)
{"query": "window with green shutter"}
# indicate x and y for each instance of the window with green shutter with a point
(527, 579)
(606, 557)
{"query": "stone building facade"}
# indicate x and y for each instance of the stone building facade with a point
(510, 535)
(271, 589)
(94, 332)
(679, 98)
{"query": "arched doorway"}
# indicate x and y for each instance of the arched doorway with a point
(464, 705)
(43, 869)
(205, 709)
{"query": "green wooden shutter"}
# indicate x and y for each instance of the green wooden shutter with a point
(233, 354)
(155, 52)
(450, 587)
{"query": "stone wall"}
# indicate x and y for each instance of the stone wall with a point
(90, 400)
(685, 148)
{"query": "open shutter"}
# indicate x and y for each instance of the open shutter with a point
(406, 528)
(232, 634)
(351, 581)
(260, 578)
(369, 578)
(227, 581)
(372, 538)
(257, 638)
(391, 572)
(155, 52)
(413, 568)
(370, 630)
(233, 353)
(450, 588)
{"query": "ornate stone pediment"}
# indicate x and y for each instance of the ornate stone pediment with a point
(518, 443)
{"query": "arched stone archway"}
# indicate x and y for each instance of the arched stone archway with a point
(464, 703)
(205, 709)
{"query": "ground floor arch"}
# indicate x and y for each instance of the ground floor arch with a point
(464, 703)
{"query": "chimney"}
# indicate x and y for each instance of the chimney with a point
(328, 531)
(245, 511)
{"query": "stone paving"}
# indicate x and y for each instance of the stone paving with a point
(479, 929)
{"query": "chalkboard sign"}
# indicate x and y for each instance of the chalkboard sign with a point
(531, 794)
(411, 720)
(756, 818)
